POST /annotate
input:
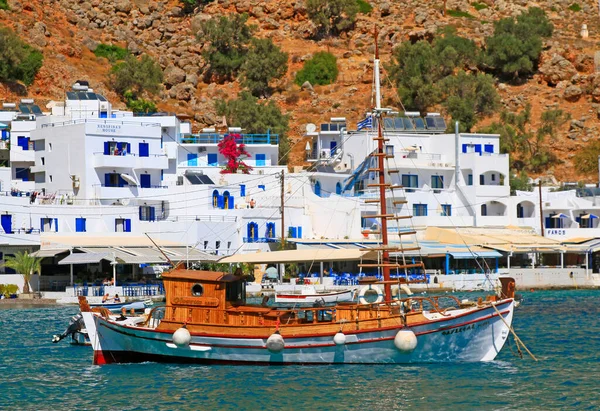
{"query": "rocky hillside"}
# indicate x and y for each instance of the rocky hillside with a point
(67, 32)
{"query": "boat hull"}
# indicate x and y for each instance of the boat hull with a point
(471, 336)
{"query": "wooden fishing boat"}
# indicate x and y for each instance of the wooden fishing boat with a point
(207, 319)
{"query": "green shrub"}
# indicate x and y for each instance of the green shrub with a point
(575, 7)
(228, 39)
(264, 62)
(320, 69)
(458, 13)
(138, 105)
(479, 6)
(257, 117)
(4, 5)
(111, 52)
(7, 289)
(364, 7)
(332, 16)
(18, 60)
(516, 45)
(137, 76)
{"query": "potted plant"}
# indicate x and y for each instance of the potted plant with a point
(26, 265)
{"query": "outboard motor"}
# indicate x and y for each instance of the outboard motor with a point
(76, 324)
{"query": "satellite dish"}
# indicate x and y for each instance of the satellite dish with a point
(310, 128)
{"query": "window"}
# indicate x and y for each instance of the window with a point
(192, 160)
(420, 210)
(50, 147)
(22, 174)
(145, 181)
(484, 209)
(49, 225)
(447, 210)
(23, 142)
(261, 160)
(205, 245)
(197, 290)
(114, 180)
(122, 225)
(493, 177)
(437, 183)
(481, 180)
(80, 225)
(212, 159)
(242, 190)
(470, 180)
(520, 211)
(43, 161)
(144, 150)
(147, 213)
(270, 230)
(488, 148)
(409, 182)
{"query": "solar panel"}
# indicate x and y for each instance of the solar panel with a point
(82, 95)
(24, 108)
(388, 123)
(440, 123)
(408, 125)
(430, 121)
(101, 97)
(398, 123)
(91, 96)
(419, 123)
(71, 95)
(195, 178)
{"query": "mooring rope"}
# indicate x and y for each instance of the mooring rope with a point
(517, 339)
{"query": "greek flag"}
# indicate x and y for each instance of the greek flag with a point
(366, 123)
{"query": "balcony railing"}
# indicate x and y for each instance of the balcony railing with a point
(215, 138)
(260, 240)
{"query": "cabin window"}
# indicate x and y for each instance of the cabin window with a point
(197, 290)
(235, 292)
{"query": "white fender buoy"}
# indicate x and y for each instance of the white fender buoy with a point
(339, 338)
(275, 343)
(182, 337)
(405, 341)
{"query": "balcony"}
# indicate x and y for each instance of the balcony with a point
(153, 161)
(215, 138)
(115, 161)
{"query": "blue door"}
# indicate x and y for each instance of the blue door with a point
(80, 225)
(333, 146)
(192, 159)
(145, 181)
(212, 159)
(260, 160)
(144, 150)
(6, 222)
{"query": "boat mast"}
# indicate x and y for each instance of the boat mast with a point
(381, 155)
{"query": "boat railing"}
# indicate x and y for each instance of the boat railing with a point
(129, 290)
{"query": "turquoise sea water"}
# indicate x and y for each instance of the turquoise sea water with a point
(562, 328)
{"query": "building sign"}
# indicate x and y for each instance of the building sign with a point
(108, 128)
(556, 231)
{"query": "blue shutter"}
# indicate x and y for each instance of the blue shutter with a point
(6, 222)
(41, 225)
(141, 213)
(230, 203)
(152, 214)
(478, 148)
(106, 148)
(212, 159)
(220, 202)
(192, 159)
(242, 190)
(464, 148)
(548, 222)
(299, 232)
(488, 148)
(127, 227)
(145, 181)
(22, 142)
(56, 225)
(107, 180)
(260, 160)
(144, 150)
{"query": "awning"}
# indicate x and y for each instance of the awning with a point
(85, 258)
(561, 215)
(590, 216)
(295, 256)
(475, 254)
(129, 179)
(47, 253)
